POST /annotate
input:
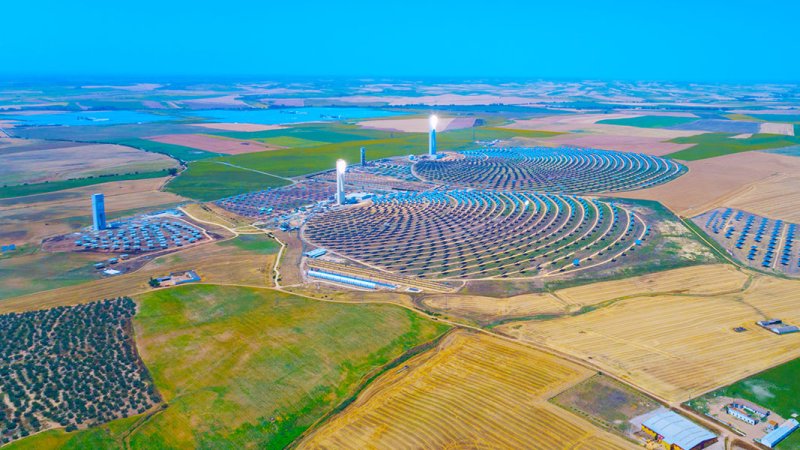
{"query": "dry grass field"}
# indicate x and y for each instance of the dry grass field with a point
(472, 391)
(488, 309)
(216, 263)
(711, 183)
(776, 197)
(679, 346)
(687, 280)
(37, 166)
(214, 144)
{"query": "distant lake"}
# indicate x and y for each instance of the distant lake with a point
(291, 115)
(84, 118)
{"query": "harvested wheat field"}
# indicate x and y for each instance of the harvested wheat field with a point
(214, 144)
(70, 161)
(486, 309)
(686, 280)
(471, 391)
(711, 183)
(622, 142)
(776, 197)
(678, 346)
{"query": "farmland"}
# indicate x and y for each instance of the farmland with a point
(246, 260)
(648, 121)
(29, 219)
(710, 183)
(466, 393)
(777, 389)
(249, 367)
(59, 164)
(581, 299)
(681, 345)
(710, 145)
(211, 180)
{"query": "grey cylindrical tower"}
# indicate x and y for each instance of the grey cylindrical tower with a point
(363, 156)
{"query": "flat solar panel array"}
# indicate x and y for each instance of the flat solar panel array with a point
(759, 241)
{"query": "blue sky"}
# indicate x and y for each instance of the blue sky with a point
(698, 40)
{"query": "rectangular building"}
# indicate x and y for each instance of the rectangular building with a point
(778, 434)
(675, 432)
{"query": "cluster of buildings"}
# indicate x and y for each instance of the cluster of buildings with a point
(747, 412)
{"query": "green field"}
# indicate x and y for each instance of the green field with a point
(257, 243)
(710, 145)
(649, 121)
(294, 162)
(175, 151)
(210, 180)
(777, 389)
(27, 273)
(251, 368)
(53, 186)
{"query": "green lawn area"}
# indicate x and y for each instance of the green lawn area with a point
(207, 180)
(329, 132)
(777, 389)
(710, 145)
(249, 368)
(257, 243)
(27, 273)
(289, 141)
(649, 121)
(175, 151)
(294, 162)
(52, 186)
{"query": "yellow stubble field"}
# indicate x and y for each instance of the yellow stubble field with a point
(678, 346)
(472, 391)
(687, 280)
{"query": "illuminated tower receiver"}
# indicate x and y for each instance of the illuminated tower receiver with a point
(432, 138)
(341, 167)
(363, 156)
(99, 212)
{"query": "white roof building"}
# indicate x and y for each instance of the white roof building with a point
(676, 429)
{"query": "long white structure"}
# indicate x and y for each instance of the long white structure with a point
(341, 168)
(432, 137)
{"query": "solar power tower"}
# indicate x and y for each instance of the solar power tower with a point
(99, 212)
(432, 137)
(341, 167)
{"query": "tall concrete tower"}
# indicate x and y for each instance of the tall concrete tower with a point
(363, 156)
(99, 212)
(341, 168)
(432, 137)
